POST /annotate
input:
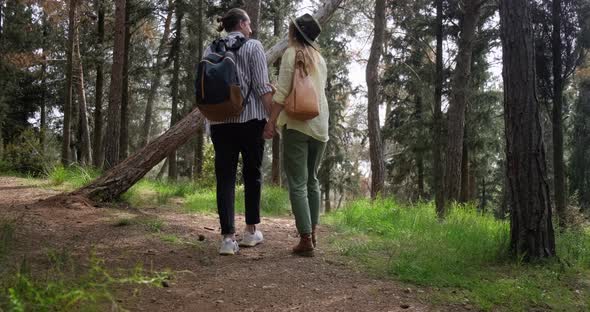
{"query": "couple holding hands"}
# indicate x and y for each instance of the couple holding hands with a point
(263, 115)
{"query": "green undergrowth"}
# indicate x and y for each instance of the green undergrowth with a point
(72, 177)
(196, 198)
(70, 286)
(191, 196)
(465, 257)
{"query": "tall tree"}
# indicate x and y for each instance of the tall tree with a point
(83, 129)
(252, 7)
(65, 147)
(200, 139)
(557, 115)
(437, 116)
(116, 91)
(531, 228)
(470, 11)
(580, 163)
(43, 110)
(372, 77)
(175, 56)
(98, 151)
(124, 135)
(159, 66)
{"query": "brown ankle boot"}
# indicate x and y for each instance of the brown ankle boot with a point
(313, 237)
(305, 246)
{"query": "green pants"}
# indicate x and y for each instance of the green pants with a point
(301, 158)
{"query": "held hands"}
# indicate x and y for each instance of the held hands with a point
(274, 90)
(269, 129)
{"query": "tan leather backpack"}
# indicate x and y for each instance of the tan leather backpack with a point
(303, 101)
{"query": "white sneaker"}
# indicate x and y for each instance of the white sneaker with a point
(228, 247)
(251, 240)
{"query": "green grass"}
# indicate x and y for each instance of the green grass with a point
(124, 222)
(274, 201)
(71, 177)
(153, 225)
(69, 286)
(196, 198)
(466, 253)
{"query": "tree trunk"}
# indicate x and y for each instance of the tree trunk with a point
(372, 76)
(437, 116)
(465, 174)
(65, 147)
(121, 177)
(157, 73)
(327, 202)
(124, 136)
(175, 55)
(98, 151)
(531, 228)
(43, 101)
(484, 195)
(419, 152)
(459, 93)
(275, 172)
(114, 115)
(558, 162)
(200, 139)
(83, 129)
(580, 159)
(252, 7)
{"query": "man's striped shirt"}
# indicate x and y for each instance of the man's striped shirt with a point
(251, 64)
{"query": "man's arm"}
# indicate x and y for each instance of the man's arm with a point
(260, 82)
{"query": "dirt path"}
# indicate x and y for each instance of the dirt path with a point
(264, 278)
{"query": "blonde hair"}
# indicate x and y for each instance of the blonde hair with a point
(297, 41)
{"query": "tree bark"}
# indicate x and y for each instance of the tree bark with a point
(121, 177)
(43, 108)
(275, 173)
(437, 116)
(327, 201)
(98, 151)
(531, 228)
(459, 94)
(114, 114)
(372, 76)
(174, 116)
(253, 9)
(155, 82)
(465, 197)
(124, 137)
(65, 147)
(419, 152)
(83, 129)
(557, 117)
(200, 139)
(580, 159)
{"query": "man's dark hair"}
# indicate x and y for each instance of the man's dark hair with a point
(232, 19)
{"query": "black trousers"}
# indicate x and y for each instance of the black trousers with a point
(229, 140)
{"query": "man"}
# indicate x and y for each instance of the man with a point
(242, 135)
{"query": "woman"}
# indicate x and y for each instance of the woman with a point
(303, 141)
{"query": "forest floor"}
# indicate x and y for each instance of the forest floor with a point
(184, 246)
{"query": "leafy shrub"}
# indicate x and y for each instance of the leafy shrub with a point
(25, 155)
